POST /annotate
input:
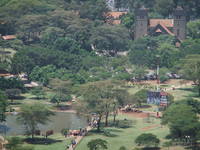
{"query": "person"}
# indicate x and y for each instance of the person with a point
(73, 143)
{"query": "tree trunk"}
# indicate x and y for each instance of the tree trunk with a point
(106, 119)
(99, 123)
(114, 117)
(199, 89)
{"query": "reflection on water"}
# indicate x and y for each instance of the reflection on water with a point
(58, 122)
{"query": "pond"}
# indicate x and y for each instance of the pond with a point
(58, 122)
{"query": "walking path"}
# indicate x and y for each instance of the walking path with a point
(78, 139)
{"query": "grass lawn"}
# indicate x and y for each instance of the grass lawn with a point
(60, 143)
(126, 136)
(183, 93)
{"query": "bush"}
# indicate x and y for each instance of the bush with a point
(65, 132)
(147, 139)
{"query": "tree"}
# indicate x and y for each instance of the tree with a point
(193, 28)
(191, 69)
(15, 143)
(97, 144)
(165, 7)
(110, 38)
(62, 90)
(182, 121)
(3, 105)
(168, 55)
(143, 51)
(98, 97)
(140, 97)
(50, 34)
(190, 47)
(147, 139)
(65, 132)
(13, 93)
(33, 114)
(93, 10)
(38, 92)
(128, 20)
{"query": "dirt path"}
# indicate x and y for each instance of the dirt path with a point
(78, 139)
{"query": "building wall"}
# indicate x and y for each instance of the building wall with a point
(180, 26)
(141, 26)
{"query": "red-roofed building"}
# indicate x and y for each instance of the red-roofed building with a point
(175, 27)
(8, 37)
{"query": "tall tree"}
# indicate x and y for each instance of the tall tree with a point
(182, 121)
(3, 105)
(191, 69)
(33, 114)
(98, 98)
(97, 144)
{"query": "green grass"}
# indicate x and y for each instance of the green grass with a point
(61, 143)
(184, 93)
(126, 137)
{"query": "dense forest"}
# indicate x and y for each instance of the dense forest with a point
(71, 40)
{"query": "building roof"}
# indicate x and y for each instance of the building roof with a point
(9, 37)
(164, 22)
(116, 14)
(166, 29)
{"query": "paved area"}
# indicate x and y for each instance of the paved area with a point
(78, 139)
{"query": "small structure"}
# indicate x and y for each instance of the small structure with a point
(157, 97)
(3, 142)
(8, 37)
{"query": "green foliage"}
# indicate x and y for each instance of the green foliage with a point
(168, 55)
(97, 144)
(38, 92)
(189, 47)
(3, 105)
(163, 74)
(128, 20)
(33, 114)
(110, 38)
(94, 10)
(65, 131)
(11, 83)
(193, 28)
(13, 93)
(191, 69)
(122, 148)
(182, 121)
(144, 51)
(147, 139)
(27, 59)
(195, 104)
(15, 143)
(139, 97)
(99, 97)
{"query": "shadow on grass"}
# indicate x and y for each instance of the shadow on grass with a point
(151, 148)
(41, 141)
(123, 124)
(106, 132)
(194, 91)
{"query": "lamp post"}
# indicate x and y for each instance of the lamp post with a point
(157, 71)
